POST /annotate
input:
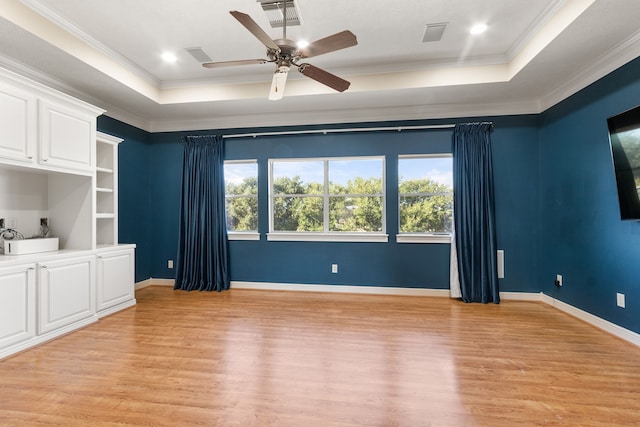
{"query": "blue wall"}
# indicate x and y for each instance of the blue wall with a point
(373, 264)
(582, 236)
(133, 183)
(556, 205)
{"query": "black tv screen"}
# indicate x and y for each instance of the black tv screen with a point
(624, 136)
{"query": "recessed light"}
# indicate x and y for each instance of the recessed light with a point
(478, 29)
(302, 44)
(169, 57)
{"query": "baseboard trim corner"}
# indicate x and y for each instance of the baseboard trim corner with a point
(154, 282)
(598, 322)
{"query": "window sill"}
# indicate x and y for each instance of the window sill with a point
(243, 235)
(423, 238)
(327, 237)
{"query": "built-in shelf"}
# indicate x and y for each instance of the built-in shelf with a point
(106, 189)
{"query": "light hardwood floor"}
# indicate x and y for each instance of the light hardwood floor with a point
(267, 358)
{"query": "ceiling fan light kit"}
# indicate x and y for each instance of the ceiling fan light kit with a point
(285, 54)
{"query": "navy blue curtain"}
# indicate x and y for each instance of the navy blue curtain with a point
(474, 213)
(202, 262)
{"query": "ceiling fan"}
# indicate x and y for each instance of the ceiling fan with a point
(285, 54)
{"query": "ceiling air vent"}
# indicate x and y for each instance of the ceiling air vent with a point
(275, 12)
(199, 54)
(434, 32)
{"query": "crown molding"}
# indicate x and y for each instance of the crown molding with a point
(622, 54)
(66, 25)
(421, 112)
(547, 14)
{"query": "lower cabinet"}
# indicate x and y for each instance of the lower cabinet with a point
(116, 271)
(66, 292)
(47, 296)
(17, 304)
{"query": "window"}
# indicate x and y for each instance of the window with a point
(336, 198)
(425, 196)
(241, 197)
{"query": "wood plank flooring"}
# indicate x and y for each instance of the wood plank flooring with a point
(267, 358)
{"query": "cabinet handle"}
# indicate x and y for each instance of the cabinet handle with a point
(43, 266)
(31, 268)
(45, 160)
(29, 157)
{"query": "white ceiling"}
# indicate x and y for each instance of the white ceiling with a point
(534, 54)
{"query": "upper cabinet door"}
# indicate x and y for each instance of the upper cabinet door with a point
(67, 137)
(18, 124)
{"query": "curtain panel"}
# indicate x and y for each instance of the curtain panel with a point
(474, 213)
(202, 261)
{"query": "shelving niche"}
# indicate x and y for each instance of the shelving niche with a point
(106, 190)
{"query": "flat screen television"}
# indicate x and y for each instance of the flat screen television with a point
(624, 136)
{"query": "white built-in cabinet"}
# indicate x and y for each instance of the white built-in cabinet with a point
(18, 126)
(116, 271)
(54, 164)
(17, 304)
(66, 290)
(67, 137)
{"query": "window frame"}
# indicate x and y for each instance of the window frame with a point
(326, 235)
(244, 235)
(420, 237)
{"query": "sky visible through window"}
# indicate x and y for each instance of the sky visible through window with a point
(437, 169)
(235, 173)
(340, 171)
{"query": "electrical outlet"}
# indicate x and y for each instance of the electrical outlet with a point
(334, 268)
(620, 300)
(170, 263)
(558, 281)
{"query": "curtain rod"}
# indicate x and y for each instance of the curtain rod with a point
(326, 131)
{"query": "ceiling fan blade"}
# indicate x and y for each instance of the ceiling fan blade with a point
(328, 44)
(278, 84)
(255, 29)
(234, 63)
(324, 77)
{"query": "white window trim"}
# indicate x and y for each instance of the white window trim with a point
(423, 238)
(328, 236)
(336, 236)
(243, 235)
(412, 237)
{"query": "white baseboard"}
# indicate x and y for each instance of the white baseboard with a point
(116, 308)
(521, 296)
(596, 321)
(41, 339)
(154, 282)
(372, 290)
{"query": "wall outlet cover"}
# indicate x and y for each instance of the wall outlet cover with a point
(620, 300)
